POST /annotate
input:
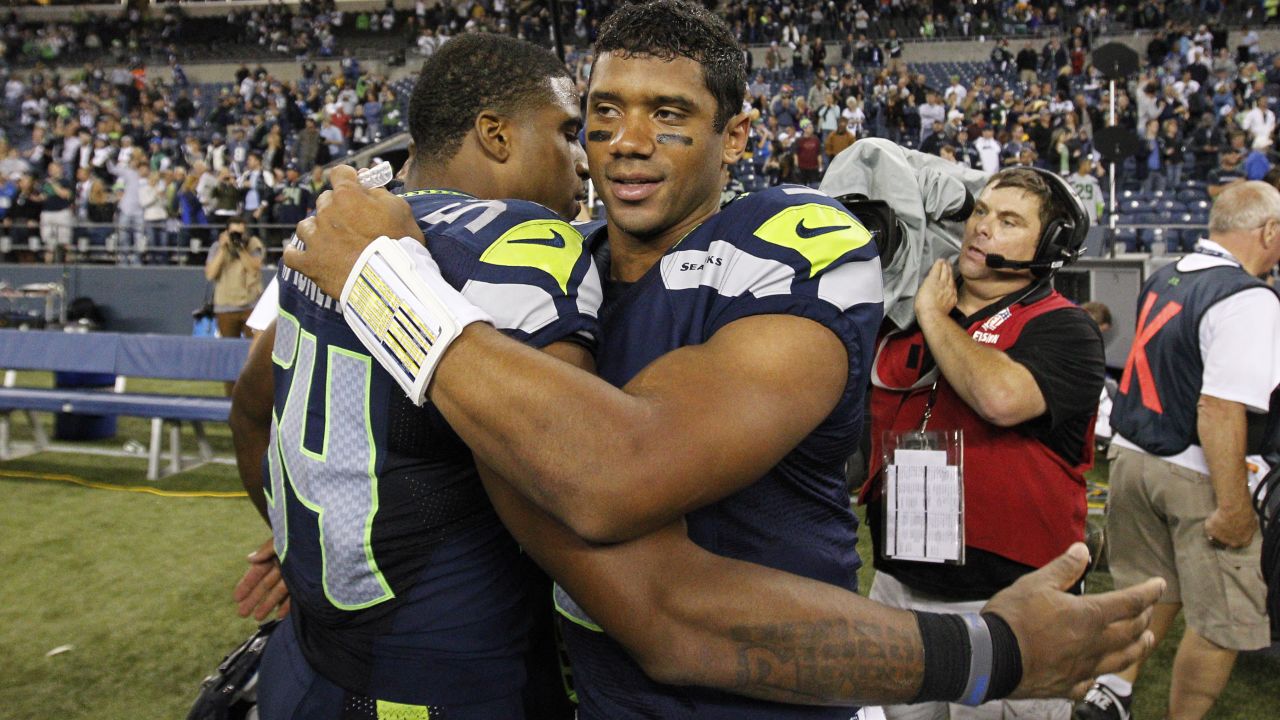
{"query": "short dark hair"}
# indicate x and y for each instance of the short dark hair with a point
(668, 29)
(1030, 181)
(472, 73)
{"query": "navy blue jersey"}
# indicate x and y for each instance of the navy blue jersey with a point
(787, 251)
(405, 585)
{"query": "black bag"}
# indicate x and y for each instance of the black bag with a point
(1266, 501)
(231, 691)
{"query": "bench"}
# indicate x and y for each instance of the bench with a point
(166, 357)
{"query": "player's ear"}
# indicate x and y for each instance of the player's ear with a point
(736, 131)
(406, 170)
(493, 132)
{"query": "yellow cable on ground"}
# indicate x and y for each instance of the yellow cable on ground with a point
(19, 475)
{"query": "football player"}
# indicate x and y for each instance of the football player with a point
(734, 356)
(408, 596)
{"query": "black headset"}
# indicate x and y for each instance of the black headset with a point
(1062, 240)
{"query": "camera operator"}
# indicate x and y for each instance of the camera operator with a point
(235, 268)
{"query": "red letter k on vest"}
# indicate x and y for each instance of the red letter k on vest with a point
(1138, 355)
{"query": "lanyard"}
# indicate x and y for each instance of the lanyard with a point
(928, 406)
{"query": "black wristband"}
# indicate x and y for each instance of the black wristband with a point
(944, 640)
(1006, 660)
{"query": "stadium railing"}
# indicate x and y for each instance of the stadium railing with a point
(140, 356)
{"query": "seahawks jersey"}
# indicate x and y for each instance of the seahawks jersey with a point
(789, 251)
(405, 585)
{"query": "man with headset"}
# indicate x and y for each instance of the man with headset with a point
(1016, 369)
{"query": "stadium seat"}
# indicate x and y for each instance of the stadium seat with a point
(1127, 237)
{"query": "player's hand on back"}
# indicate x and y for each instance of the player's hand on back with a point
(262, 590)
(348, 218)
(1068, 640)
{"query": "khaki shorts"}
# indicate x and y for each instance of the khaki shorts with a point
(1155, 527)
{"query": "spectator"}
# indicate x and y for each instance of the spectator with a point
(931, 110)
(225, 197)
(22, 220)
(1173, 150)
(1207, 353)
(234, 267)
(1027, 63)
(837, 141)
(57, 218)
(1230, 168)
(1087, 189)
(828, 115)
(293, 200)
(130, 225)
(1026, 415)
(191, 214)
(1256, 163)
(1260, 121)
(808, 151)
(988, 150)
(152, 195)
(936, 138)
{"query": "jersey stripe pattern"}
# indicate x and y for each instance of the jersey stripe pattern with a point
(405, 585)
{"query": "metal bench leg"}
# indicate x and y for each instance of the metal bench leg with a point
(37, 430)
(4, 435)
(153, 450)
(206, 452)
(175, 447)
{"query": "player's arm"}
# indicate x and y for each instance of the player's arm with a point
(997, 387)
(690, 617)
(261, 590)
(250, 420)
(694, 426)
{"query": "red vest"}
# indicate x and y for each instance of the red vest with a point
(1022, 501)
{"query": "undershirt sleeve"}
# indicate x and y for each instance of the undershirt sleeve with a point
(1063, 350)
(1240, 347)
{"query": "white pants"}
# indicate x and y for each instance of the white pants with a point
(887, 590)
(55, 227)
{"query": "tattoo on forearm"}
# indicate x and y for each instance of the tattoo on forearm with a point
(674, 139)
(825, 661)
(599, 136)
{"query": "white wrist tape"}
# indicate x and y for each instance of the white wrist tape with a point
(404, 312)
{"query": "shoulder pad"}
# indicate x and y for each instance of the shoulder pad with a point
(805, 227)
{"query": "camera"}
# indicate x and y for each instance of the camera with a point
(237, 238)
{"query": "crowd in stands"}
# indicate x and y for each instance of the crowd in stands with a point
(1199, 107)
(147, 163)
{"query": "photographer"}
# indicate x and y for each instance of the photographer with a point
(235, 269)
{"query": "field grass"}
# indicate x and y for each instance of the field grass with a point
(140, 586)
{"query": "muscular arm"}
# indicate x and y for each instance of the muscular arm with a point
(716, 622)
(262, 590)
(1221, 425)
(250, 420)
(694, 426)
(747, 629)
(998, 388)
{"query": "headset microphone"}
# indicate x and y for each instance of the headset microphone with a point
(999, 262)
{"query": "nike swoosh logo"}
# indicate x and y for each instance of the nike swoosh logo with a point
(556, 241)
(808, 232)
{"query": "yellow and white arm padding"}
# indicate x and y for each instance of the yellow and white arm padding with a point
(403, 311)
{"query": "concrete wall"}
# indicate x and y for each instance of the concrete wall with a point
(134, 299)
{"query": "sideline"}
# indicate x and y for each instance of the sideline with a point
(73, 480)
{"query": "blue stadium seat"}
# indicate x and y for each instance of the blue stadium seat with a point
(1127, 237)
